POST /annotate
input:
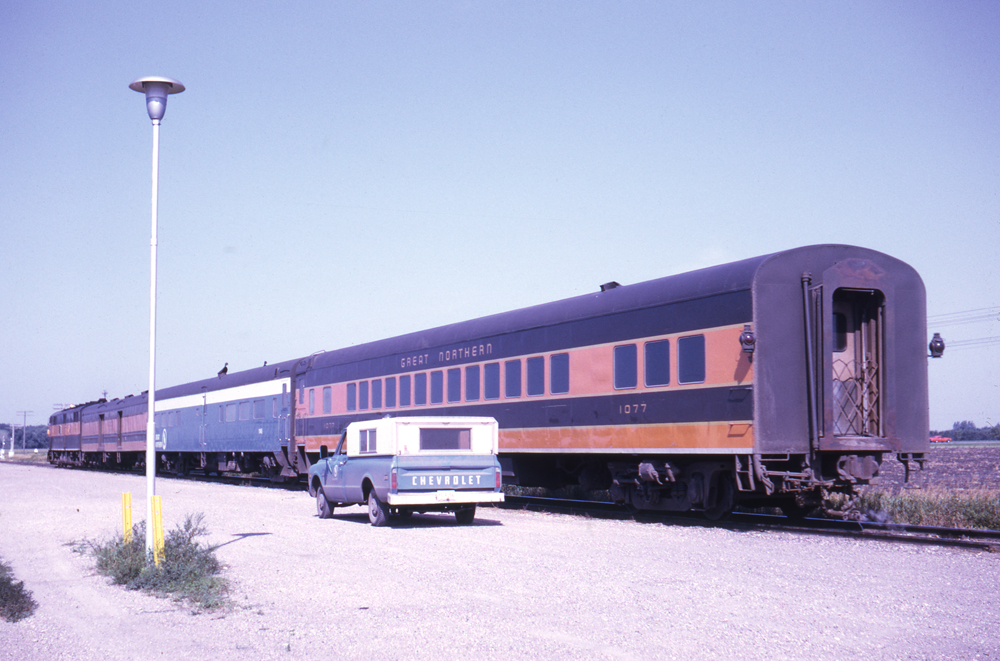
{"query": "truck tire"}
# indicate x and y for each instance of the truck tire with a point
(324, 509)
(378, 512)
(465, 515)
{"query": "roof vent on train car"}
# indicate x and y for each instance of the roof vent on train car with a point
(610, 285)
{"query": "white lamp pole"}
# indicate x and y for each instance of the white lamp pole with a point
(156, 90)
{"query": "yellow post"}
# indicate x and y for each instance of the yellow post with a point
(157, 531)
(127, 517)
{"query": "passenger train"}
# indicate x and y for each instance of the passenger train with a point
(771, 380)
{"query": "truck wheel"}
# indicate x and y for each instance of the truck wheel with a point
(323, 508)
(378, 512)
(465, 515)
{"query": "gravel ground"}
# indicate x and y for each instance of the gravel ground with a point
(516, 585)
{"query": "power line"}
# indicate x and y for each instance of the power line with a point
(964, 317)
(976, 342)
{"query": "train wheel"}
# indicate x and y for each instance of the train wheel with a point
(323, 508)
(465, 515)
(378, 512)
(724, 499)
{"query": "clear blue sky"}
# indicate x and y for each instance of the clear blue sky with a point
(339, 172)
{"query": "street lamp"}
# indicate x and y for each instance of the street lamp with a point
(156, 90)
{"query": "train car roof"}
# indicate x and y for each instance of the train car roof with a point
(714, 280)
(280, 370)
(691, 285)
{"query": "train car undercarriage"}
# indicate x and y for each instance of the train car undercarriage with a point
(795, 483)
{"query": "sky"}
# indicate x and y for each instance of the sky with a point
(340, 172)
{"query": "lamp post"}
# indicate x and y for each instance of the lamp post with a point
(156, 90)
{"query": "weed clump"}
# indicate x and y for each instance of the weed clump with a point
(978, 509)
(16, 603)
(189, 570)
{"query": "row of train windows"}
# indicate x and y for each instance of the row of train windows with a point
(256, 409)
(442, 386)
(656, 363)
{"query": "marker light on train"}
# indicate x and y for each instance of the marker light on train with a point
(936, 346)
(748, 340)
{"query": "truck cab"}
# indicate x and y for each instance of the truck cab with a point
(398, 466)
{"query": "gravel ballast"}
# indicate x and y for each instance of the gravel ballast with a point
(515, 585)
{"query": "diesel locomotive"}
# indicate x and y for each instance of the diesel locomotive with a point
(768, 381)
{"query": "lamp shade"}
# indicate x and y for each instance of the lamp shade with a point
(156, 89)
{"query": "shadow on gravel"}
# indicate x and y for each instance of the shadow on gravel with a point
(428, 520)
(240, 536)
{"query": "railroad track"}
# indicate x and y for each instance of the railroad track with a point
(977, 540)
(967, 538)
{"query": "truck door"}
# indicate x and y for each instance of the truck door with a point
(335, 481)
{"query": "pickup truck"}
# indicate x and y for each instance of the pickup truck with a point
(398, 466)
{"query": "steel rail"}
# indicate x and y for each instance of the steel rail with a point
(966, 538)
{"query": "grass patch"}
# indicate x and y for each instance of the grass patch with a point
(979, 509)
(16, 603)
(188, 572)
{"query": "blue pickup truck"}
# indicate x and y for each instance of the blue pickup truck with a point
(398, 466)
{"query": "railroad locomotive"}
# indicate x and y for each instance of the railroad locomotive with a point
(770, 380)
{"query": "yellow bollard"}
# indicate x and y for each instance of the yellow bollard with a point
(127, 517)
(157, 531)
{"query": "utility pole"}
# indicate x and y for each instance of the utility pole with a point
(24, 432)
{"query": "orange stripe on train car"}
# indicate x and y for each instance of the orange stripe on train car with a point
(677, 437)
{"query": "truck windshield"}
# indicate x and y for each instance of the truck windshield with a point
(445, 439)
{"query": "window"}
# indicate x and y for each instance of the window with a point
(455, 384)
(274, 407)
(691, 359)
(420, 389)
(258, 409)
(559, 373)
(437, 387)
(377, 393)
(657, 363)
(472, 383)
(327, 399)
(231, 412)
(302, 394)
(404, 390)
(363, 395)
(839, 332)
(512, 378)
(390, 392)
(445, 439)
(352, 397)
(626, 375)
(366, 444)
(536, 376)
(312, 401)
(491, 376)
(245, 409)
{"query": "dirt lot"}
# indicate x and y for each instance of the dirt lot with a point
(516, 585)
(951, 466)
